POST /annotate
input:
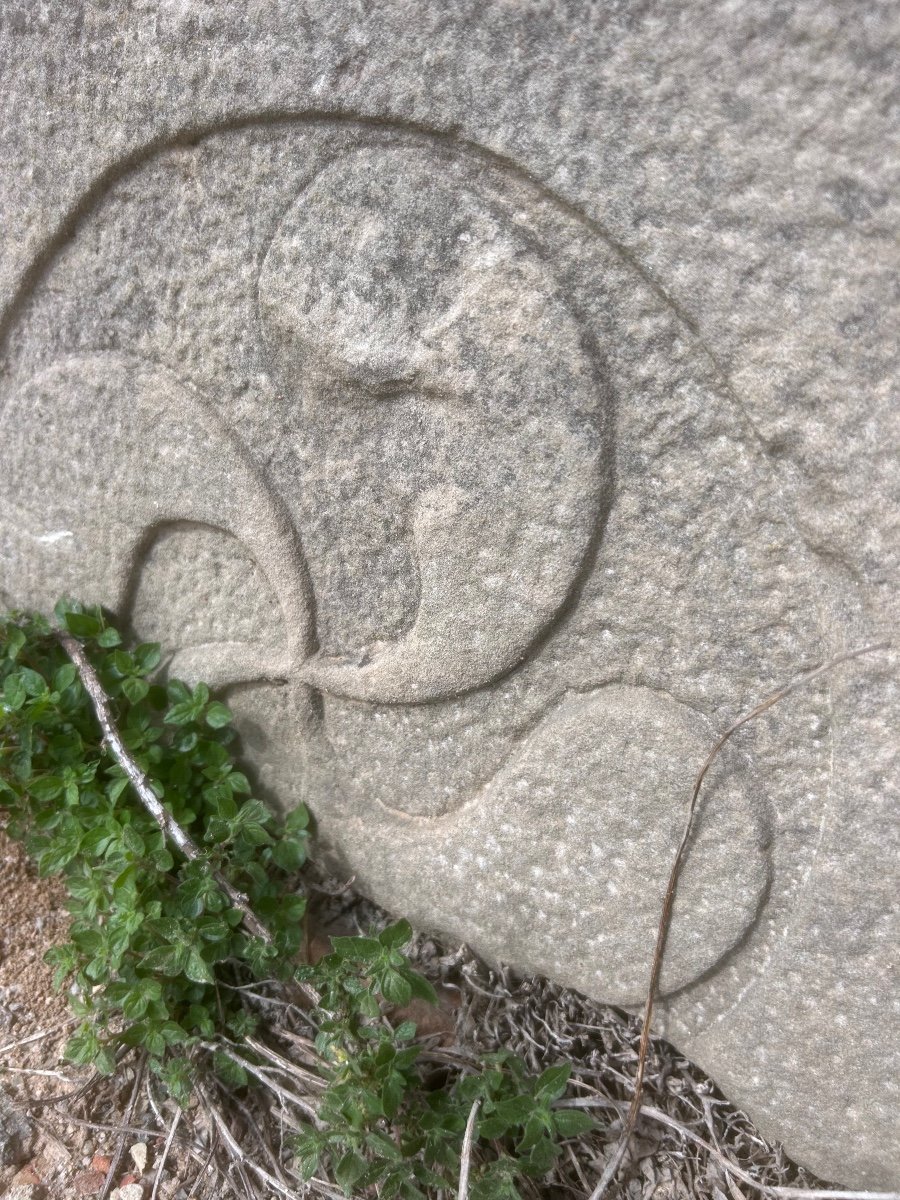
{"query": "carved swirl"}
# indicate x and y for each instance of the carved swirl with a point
(363, 395)
(391, 286)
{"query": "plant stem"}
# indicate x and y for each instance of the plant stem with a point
(665, 920)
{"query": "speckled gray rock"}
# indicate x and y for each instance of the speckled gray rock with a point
(16, 1133)
(494, 401)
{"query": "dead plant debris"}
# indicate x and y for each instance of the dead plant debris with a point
(87, 1130)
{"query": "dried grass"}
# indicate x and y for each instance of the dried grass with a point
(689, 1143)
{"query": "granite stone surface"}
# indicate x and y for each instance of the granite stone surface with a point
(494, 400)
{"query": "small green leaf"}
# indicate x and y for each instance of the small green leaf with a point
(178, 692)
(255, 834)
(15, 642)
(155, 1043)
(14, 694)
(83, 1045)
(135, 688)
(571, 1122)
(404, 1059)
(116, 787)
(552, 1083)
(147, 657)
(180, 714)
(218, 715)
(289, 854)
(48, 787)
(393, 1182)
(197, 969)
(34, 684)
(173, 1033)
(132, 841)
(64, 960)
(297, 819)
(109, 638)
(122, 662)
(420, 987)
(165, 959)
(535, 1129)
(291, 909)
(239, 784)
(213, 929)
(364, 948)
(392, 1094)
(230, 1072)
(83, 625)
(383, 1146)
(395, 988)
(492, 1127)
(348, 1170)
(163, 860)
(186, 742)
(64, 677)
(105, 1061)
(58, 854)
(308, 1155)
(396, 935)
(134, 1005)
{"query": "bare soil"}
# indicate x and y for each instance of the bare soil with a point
(78, 1139)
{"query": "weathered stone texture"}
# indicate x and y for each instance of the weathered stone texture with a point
(494, 400)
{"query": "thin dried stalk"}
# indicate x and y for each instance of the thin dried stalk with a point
(237, 1154)
(309, 1078)
(265, 1078)
(145, 793)
(129, 1114)
(665, 921)
(40, 1036)
(167, 1148)
(164, 819)
(466, 1157)
(651, 1113)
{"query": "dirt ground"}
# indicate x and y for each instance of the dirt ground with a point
(61, 1157)
(79, 1133)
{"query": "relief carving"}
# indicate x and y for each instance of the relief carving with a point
(380, 430)
(401, 307)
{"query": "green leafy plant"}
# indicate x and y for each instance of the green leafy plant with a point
(383, 1121)
(182, 887)
(151, 933)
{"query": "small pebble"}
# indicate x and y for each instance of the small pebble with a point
(24, 1191)
(131, 1191)
(138, 1154)
(88, 1183)
(26, 1177)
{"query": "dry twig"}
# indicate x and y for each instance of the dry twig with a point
(40, 1036)
(138, 780)
(466, 1157)
(665, 921)
(239, 1158)
(170, 1138)
(774, 1191)
(129, 1114)
(145, 793)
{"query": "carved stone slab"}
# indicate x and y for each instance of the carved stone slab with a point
(436, 477)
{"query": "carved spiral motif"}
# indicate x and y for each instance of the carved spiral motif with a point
(359, 421)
